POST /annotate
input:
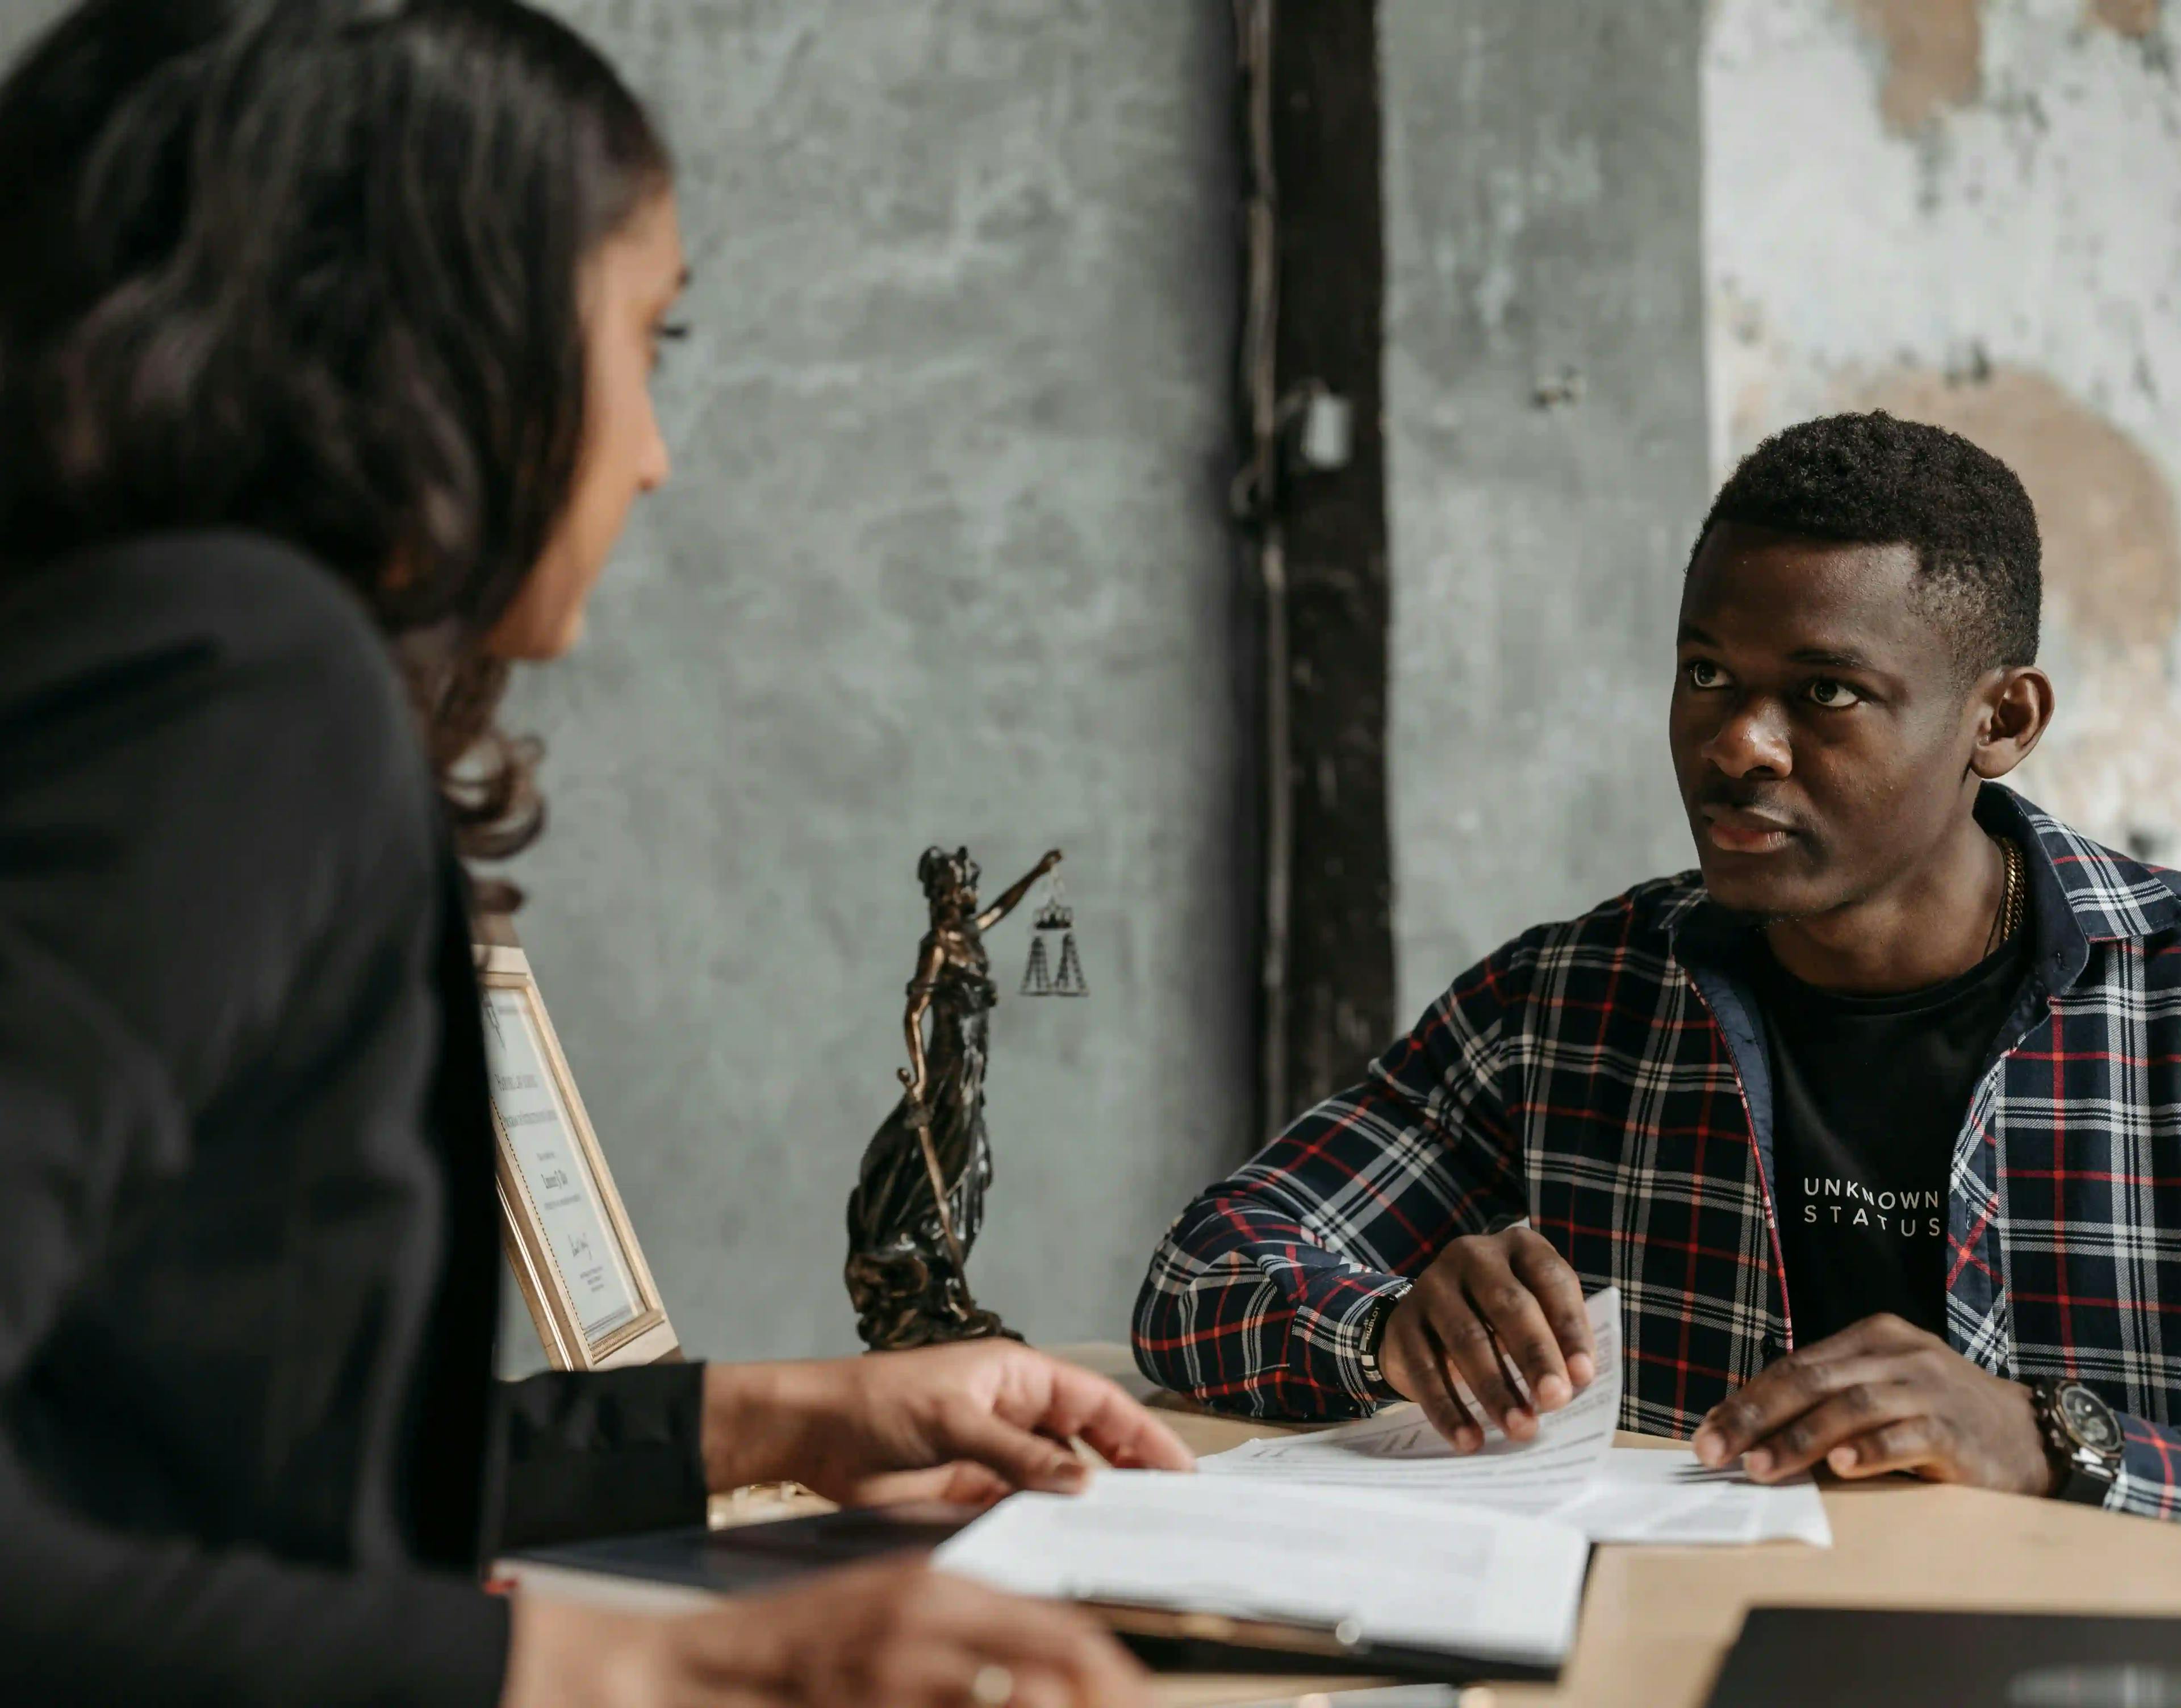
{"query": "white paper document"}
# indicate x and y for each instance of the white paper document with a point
(1398, 1449)
(1469, 1582)
(1668, 1499)
(1570, 1469)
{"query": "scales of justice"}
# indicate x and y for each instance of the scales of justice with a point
(919, 1197)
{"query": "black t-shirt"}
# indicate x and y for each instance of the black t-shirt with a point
(1869, 1094)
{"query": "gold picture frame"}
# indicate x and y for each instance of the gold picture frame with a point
(562, 1224)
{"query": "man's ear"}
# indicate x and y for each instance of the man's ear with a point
(2010, 708)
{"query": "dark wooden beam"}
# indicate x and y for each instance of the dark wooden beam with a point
(1312, 122)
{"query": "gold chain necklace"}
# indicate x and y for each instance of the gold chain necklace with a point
(2008, 919)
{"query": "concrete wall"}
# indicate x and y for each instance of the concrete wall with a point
(945, 560)
(946, 556)
(1971, 213)
(21, 20)
(1542, 172)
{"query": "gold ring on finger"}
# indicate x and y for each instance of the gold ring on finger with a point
(994, 1686)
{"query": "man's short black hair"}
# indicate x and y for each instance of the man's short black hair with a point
(1875, 480)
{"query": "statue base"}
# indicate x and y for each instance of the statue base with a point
(903, 1303)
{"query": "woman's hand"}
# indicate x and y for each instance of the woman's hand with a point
(969, 1422)
(889, 1632)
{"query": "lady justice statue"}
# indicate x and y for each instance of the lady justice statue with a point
(919, 1197)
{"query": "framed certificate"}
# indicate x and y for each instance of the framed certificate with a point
(567, 1237)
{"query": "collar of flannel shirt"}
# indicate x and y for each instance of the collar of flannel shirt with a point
(2067, 1120)
(2080, 894)
(2064, 1214)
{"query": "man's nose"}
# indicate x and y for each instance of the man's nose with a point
(1752, 738)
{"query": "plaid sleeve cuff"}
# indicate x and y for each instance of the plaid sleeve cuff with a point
(1330, 1335)
(2150, 1480)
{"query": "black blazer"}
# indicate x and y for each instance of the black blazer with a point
(251, 1450)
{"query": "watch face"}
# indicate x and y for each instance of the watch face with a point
(2088, 1419)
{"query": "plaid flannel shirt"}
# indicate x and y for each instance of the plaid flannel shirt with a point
(1607, 1078)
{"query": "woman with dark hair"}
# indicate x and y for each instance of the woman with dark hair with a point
(325, 336)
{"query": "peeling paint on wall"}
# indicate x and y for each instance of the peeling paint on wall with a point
(2112, 565)
(2132, 18)
(2112, 592)
(1934, 57)
(2014, 275)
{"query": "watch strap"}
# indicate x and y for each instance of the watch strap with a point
(2083, 1488)
(1374, 1337)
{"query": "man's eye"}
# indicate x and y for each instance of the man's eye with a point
(1827, 693)
(1702, 672)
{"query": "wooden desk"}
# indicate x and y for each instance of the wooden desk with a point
(1656, 1621)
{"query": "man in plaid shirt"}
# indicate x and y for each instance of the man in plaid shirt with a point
(1876, 1121)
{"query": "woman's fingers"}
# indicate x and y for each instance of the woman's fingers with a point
(1030, 1448)
(1122, 1432)
(961, 1484)
(1037, 1639)
(949, 1675)
(1026, 1460)
(910, 1638)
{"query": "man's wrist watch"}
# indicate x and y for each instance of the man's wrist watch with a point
(1374, 1336)
(2082, 1440)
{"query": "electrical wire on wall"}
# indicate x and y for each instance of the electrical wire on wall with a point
(1254, 499)
(1308, 505)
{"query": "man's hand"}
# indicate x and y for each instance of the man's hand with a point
(1491, 1305)
(1881, 1396)
(970, 1421)
(889, 1633)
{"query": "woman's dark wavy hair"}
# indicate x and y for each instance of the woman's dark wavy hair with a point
(313, 268)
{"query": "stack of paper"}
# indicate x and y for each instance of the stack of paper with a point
(1669, 1499)
(1477, 1584)
(1380, 1529)
(1569, 1469)
(1399, 1450)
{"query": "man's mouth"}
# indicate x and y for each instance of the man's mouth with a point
(1738, 830)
